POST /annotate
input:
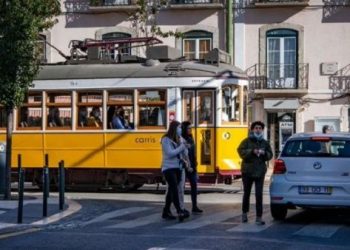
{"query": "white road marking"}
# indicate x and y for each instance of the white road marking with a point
(163, 248)
(13, 204)
(318, 230)
(2, 212)
(249, 228)
(116, 213)
(205, 220)
(142, 221)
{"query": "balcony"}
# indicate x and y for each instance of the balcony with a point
(196, 4)
(279, 3)
(103, 6)
(275, 80)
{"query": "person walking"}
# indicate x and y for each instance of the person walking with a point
(192, 174)
(255, 151)
(171, 150)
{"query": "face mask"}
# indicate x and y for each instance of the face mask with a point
(258, 135)
(179, 131)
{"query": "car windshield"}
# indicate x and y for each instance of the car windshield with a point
(320, 148)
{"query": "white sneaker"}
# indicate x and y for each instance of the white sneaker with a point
(259, 221)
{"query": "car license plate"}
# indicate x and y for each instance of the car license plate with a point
(315, 190)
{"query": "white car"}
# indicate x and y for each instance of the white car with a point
(313, 170)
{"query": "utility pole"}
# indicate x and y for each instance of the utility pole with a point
(229, 28)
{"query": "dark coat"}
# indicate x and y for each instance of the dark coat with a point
(192, 153)
(253, 165)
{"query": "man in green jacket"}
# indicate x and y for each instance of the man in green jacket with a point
(255, 151)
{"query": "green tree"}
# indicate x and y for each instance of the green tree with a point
(144, 20)
(21, 21)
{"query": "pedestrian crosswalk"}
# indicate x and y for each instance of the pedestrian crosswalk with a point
(204, 220)
(228, 220)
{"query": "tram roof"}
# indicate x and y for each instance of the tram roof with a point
(137, 70)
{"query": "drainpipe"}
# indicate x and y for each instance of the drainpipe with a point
(229, 28)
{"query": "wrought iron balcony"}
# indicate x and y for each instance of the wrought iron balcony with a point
(272, 79)
(196, 4)
(112, 5)
(274, 3)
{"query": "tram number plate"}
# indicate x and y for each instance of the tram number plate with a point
(314, 190)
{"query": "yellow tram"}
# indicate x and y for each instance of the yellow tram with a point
(66, 116)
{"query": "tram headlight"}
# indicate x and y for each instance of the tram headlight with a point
(2, 147)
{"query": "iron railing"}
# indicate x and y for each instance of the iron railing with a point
(280, 1)
(111, 2)
(278, 76)
(193, 1)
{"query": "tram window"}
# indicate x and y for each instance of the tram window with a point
(152, 108)
(206, 110)
(3, 117)
(188, 106)
(30, 113)
(230, 104)
(59, 110)
(90, 110)
(120, 103)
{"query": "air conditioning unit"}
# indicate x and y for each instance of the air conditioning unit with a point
(163, 53)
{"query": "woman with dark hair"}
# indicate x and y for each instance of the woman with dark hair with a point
(171, 150)
(110, 115)
(191, 175)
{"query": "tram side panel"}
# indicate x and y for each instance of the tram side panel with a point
(227, 159)
(92, 157)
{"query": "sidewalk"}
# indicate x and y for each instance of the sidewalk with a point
(33, 212)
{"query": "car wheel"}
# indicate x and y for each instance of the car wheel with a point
(278, 212)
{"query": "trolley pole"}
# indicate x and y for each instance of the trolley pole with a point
(20, 190)
(45, 185)
(61, 184)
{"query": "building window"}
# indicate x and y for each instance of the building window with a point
(30, 113)
(118, 49)
(282, 61)
(152, 108)
(59, 110)
(90, 110)
(196, 44)
(41, 47)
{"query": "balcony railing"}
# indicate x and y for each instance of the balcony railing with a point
(112, 5)
(272, 3)
(185, 4)
(109, 2)
(190, 1)
(279, 76)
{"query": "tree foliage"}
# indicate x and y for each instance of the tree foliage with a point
(20, 23)
(145, 18)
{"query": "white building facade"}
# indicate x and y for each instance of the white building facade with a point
(297, 59)
(198, 20)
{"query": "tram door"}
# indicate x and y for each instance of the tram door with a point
(199, 109)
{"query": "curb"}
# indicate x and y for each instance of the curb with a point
(9, 229)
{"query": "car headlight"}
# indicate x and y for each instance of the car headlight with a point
(2, 147)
